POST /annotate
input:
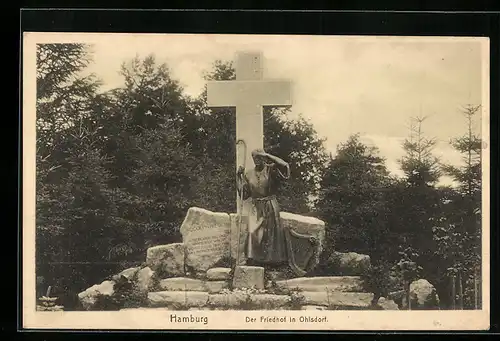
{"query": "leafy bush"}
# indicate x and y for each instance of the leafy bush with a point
(377, 280)
(126, 295)
(297, 300)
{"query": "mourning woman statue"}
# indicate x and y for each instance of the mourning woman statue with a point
(268, 242)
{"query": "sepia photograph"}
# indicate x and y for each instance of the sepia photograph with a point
(198, 181)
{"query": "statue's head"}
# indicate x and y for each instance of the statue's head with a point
(258, 156)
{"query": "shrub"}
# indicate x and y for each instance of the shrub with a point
(48, 304)
(126, 295)
(377, 280)
(297, 300)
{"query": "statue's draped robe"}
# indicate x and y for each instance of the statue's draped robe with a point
(268, 241)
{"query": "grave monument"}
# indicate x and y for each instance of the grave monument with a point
(208, 269)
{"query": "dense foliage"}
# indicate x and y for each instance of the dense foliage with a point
(410, 227)
(117, 171)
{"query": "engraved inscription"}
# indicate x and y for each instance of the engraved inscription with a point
(210, 245)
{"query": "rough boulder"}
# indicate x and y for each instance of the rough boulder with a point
(423, 296)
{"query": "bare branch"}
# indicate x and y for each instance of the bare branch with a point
(53, 168)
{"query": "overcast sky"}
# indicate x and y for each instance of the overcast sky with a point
(343, 85)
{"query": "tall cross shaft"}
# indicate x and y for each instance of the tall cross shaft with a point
(249, 93)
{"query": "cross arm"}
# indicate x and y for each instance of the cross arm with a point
(265, 93)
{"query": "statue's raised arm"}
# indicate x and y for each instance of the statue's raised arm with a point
(282, 164)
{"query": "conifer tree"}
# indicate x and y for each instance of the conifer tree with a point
(351, 199)
(73, 198)
(419, 204)
(460, 232)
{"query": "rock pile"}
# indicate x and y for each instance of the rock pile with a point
(244, 289)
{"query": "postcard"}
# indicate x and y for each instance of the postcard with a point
(255, 182)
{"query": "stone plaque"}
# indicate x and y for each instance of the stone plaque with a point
(206, 237)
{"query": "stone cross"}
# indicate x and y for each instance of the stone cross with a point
(249, 93)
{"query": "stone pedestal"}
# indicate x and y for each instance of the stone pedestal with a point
(248, 277)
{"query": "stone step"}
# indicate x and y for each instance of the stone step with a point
(330, 283)
(349, 300)
(145, 309)
(313, 307)
(191, 284)
(196, 300)
(182, 283)
(182, 300)
(242, 301)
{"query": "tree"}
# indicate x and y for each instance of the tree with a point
(351, 200)
(63, 97)
(149, 99)
(419, 164)
(443, 224)
(438, 215)
(212, 134)
(419, 204)
(76, 205)
(421, 200)
(469, 145)
(297, 142)
(162, 182)
(153, 165)
(63, 94)
(460, 229)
